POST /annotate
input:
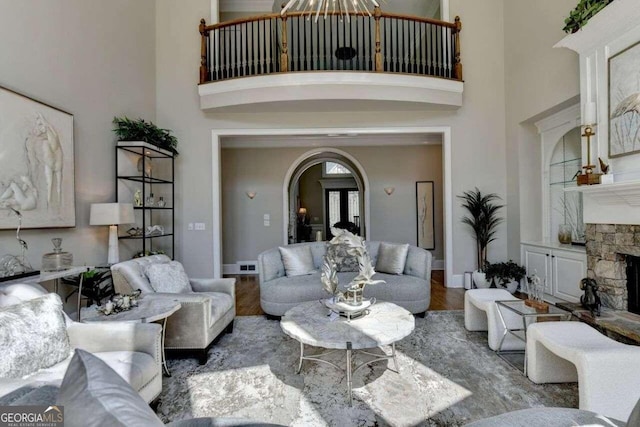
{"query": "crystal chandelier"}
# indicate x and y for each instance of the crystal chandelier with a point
(319, 7)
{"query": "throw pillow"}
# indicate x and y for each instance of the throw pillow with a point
(391, 258)
(168, 277)
(345, 262)
(93, 394)
(297, 260)
(33, 336)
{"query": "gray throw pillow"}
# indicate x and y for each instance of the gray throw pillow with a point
(94, 395)
(33, 336)
(168, 277)
(345, 262)
(391, 258)
(297, 260)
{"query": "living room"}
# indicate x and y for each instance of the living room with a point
(98, 60)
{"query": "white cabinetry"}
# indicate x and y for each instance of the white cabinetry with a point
(560, 267)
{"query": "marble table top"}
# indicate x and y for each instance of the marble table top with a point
(148, 310)
(310, 324)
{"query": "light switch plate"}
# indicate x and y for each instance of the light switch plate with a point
(200, 226)
(190, 226)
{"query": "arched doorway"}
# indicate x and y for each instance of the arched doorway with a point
(355, 212)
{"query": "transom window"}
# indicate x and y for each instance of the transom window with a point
(333, 169)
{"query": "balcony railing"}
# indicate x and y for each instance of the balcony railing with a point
(295, 42)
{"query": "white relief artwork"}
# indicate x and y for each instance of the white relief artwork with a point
(36, 163)
(45, 153)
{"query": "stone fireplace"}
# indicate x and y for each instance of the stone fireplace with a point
(608, 246)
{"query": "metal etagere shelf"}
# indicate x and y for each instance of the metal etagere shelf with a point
(150, 170)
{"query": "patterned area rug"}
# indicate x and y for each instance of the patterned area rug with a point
(448, 377)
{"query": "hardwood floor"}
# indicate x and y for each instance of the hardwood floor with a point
(248, 295)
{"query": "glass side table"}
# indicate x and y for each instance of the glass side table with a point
(529, 315)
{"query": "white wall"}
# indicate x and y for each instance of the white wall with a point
(539, 80)
(393, 218)
(478, 147)
(94, 59)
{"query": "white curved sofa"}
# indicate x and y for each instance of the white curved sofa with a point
(279, 293)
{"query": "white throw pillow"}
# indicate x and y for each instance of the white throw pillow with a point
(168, 277)
(297, 260)
(33, 336)
(392, 258)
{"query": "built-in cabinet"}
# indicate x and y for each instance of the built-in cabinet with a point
(561, 268)
(145, 178)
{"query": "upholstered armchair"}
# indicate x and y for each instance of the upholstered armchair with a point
(208, 308)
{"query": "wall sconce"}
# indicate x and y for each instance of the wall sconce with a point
(389, 190)
(251, 194)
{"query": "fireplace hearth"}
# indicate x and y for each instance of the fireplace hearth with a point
(610, 248)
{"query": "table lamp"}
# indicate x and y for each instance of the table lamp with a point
(112, 214)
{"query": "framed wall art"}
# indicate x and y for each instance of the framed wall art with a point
(624, 102)
(425, 215)
(36, 163)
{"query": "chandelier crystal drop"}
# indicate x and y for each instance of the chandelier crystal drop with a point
(322, 7)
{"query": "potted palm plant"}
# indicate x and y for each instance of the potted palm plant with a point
(506, 275)
(483, 221)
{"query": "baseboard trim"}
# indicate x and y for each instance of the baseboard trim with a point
(438, 264)
(457, 281)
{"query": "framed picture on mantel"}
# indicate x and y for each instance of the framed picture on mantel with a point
(425, 215)
(624, 102)
(36, 164)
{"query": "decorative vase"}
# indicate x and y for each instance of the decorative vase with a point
(57, 260)
(564, 234)
(512, 286)
(480, 279)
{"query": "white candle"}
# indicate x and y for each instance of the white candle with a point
(318, 236)
(589, 114)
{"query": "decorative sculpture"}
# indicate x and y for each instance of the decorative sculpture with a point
(356, 248)
(590, 300)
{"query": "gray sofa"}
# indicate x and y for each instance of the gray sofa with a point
(279, 293)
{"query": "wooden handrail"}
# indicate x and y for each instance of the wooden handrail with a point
(383, 14)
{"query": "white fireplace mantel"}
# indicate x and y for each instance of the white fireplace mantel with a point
(617, 203)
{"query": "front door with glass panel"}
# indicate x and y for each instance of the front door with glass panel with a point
(343, 210)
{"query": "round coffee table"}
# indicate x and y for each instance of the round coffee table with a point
(311, 323)
(148, 310)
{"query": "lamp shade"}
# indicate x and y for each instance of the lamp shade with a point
(111, 214)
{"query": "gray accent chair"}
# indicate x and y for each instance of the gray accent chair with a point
(279, 293)
(206, 312)
(130, 349)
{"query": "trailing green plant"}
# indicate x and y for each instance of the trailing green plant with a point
(483, 220)
(584, 11)
(141, 130)
(505, 272)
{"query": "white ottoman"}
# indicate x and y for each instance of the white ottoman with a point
(481, 314)
(607, 371)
